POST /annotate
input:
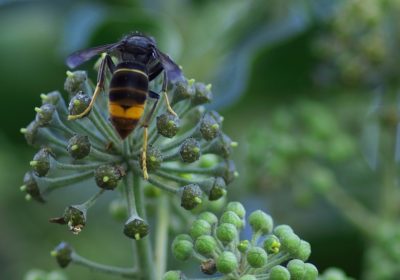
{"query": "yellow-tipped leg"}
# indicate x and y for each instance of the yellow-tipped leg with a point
(144, 155)
(169, 108)
(87, 110)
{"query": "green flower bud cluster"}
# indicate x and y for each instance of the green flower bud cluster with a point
(274, 252)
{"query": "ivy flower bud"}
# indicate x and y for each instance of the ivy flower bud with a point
(182, 249)
(202, 94)
(257, 257)
(205, 245)
(168, 125)
(79, 146)
(30, 132)
(209, 217)
(226, 262)
(271, 244)
(63, 253)
(44, 114)
(226, 233)
(199, 228)
(41, 162)
(182, 236)
(248, 277)
(282, 229)
(75, 218)
(261, 222)
(221, 145)
(227, 170)
(296, 269)
(184, 90)
(107, 176)
(243, 246)
(311, 272)
(31, 187)
(174, 275)
(279, 272)
(208, 267)
(214, 187)
(75, 82)
(78, 103)
(290, 242)
(230, 217)
(236, 207)
(118, 209)
(190, 150)
(51, 98)
(191, 196)
(209, 126)
(304, 251)
(154, 158)
(136, 228)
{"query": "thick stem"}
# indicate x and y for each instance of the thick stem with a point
(163, 219)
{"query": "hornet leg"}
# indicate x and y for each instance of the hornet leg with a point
(164, 91)
(107, 61)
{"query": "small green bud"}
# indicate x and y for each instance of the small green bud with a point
(202, 94)
(107, 176)
(210, 126)
(174, 275)
(136, 228)
(208, 267)
(199, 228)
(296, 269)
(230, 217)
(290, 242)
(214, 187)
(272, 244)
(221, 145)
(248, 277)
(31, 187)
(205, 245)
(279, 272)
(311, 272)
(79, 146)
(78, 103)
(226, 262)
(236, 207)
(261, 222)
(182, 250)
(184, 90)
(63, 253)
(75, 82)
(154, 158)
(243, 246)
(30, 132)
(51, 98)
(190, 150)
(227, 170)
(282, 229)
(75, 218)
(257, 257)
(118, 209)
(191, 196)
(209, 217)
(168, 125)
(41, 162)
(45, 114)
(226, 233)
(182, 236)
(304, 251)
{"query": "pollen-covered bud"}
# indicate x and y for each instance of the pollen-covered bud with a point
(199, 228)
(311, 272)
(184, 90)
(136, 228)
(208, 267)
(182, 249)
(210, 126)
(31, 187)
(236, 207)
(75, 82)
(63, 253)
(154, 158)
(231, 218)
(191, 196)
(75, 218)
(78, 103)
(79, 146)
(44, 114)
(243, 246)
(205, 245)
(303, 251)
(202, 94)
(30, 132)
(190, 150)
(279, 272)
(271, 244)
(222, 146)
(209, 217)
(296, 269)
(118, 209)
(257, 257)
(226, 262)
(226, 233)
(290, 242)
(107, 176)
(261, 222)
(41, 162)
(168, 125)
(174, 275)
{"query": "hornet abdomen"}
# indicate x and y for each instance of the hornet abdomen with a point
(127, 97)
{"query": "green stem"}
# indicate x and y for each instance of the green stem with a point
(162, 186)
(123, 272)
(77, 167)
(174, 178)
(89, 203)
(163, 220)
(56, 183)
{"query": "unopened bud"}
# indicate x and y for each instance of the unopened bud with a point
(108, 176)
(191, 196)
(75, 82)
(257, 257)
(279, 272)
(168, 125)
(221, 145)
(184, 90)
(272, 244)
(231, 218)
(190, 150)
(199, 228)
(202, 94)
(31, 187)
(78, 103)
(226, 233)
(174, 275)
(182, 249)
(30, 132)
(226, 262)
(209, 125)
(136, 228)
(209, 217)
(243, 246)
(63, 253)
(79, 146)
(236, 207)
(205, 245)
(296, 269)
(44, 114)
(154, 158)
(41, 162)
(261, 222)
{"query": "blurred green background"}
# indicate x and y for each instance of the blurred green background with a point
(308, 88)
